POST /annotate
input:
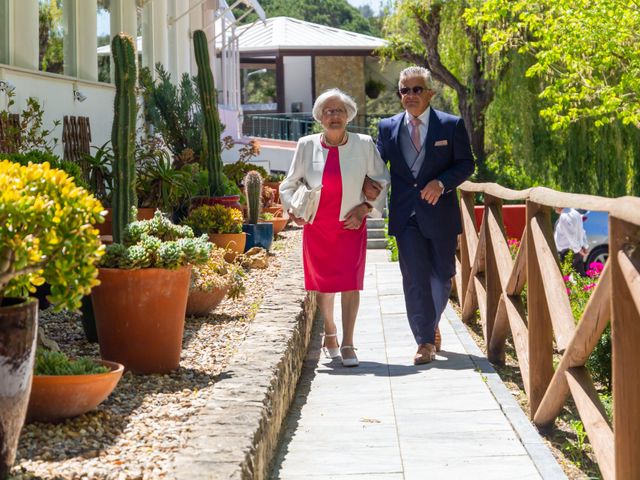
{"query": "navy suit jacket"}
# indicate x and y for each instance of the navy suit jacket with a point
(448, 158)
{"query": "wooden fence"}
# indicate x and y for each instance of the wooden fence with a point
(489, 280)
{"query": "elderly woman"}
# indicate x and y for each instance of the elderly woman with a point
(334, 241)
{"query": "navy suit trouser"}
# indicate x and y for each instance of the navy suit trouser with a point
(426, 289)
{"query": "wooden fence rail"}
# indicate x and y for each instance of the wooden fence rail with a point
(488, 280)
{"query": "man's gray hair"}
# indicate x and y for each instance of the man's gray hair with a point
(349, 103)
(415, 71)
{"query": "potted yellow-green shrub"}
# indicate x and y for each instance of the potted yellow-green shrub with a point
(46, 234)
(212, 281)
(222, 224)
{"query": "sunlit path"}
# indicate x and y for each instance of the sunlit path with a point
(389, 419)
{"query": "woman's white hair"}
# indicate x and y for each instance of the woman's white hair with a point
(349, 103)
(415, 71)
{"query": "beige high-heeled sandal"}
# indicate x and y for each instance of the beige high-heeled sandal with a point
(330, 352)
(349, 361)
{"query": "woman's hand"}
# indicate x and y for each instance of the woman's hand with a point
(298, 221)
(371, 189)
(353, 219)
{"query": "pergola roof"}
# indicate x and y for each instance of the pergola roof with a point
(287, 34)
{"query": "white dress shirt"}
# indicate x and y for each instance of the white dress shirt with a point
(569, 231)
(424, 126)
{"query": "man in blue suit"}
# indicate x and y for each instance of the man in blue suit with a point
(429, 155)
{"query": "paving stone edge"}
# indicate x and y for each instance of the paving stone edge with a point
(235, 435)
(533, 443)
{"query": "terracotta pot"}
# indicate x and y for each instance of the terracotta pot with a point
(106, 228)
(56, 397)
(275, 209)
(235, 242)
(18, 327)
(278, 224)
(140, 317)
(200, 304)
(227, 200)
(276, 187)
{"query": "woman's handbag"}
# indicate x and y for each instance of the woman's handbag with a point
(304, 202)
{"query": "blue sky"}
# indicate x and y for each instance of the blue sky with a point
(374, 4)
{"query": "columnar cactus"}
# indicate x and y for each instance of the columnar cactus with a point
(123, 133)
(253, 192)
(209, 105)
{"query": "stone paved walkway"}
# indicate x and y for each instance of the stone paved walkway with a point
(391, 420)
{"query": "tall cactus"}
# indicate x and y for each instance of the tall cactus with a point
(209, 105)
(253, 191)
(123, 133)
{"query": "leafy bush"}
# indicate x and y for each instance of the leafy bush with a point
(49, 362)
(275, 177)
(580, 289)
(218, 273)
(215, 219)
(46, 234)
(157, 243)
(28, 135)
(39, 157)
(237, 171)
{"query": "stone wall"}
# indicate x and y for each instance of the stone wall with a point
(345, 73)
(236, 434)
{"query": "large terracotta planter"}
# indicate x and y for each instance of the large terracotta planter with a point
(514, 217)
(140, 317)
(200, 304)
(56, 397)
(18, 327)
(232, 241)
(275, 209)
(106, 228)
(278, 224)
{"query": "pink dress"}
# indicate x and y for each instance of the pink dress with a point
(333, 257)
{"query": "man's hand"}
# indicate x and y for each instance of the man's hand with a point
(371, 189)
(356, 215)
(298, 221)
(431, 192)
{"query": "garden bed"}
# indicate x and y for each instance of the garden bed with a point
(141, 427)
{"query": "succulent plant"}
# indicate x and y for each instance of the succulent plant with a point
(157, 243)
(215, 219)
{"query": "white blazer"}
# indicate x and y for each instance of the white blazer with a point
(359, 157)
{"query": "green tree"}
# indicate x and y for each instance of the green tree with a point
(433, 34)
(51, 36)
(585, 50)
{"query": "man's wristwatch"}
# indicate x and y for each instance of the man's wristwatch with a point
(441, 186)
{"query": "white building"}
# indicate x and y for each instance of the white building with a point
(80, 85)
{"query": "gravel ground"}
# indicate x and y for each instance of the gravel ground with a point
(136, 432)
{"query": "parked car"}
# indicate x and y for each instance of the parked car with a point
(596, 224)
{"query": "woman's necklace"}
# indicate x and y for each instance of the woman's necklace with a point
(342, 141)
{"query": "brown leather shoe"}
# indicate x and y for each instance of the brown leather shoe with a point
(438, 341)
(426, 353)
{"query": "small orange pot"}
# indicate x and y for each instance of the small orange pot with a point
(278, 224)
(56, 397)
(231, 241)
(140, 316)
(200, 304)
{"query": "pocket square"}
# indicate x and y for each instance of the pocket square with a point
(441, 143)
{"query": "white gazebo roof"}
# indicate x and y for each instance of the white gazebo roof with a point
(285, 33)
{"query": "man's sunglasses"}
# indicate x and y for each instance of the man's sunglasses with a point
(417, 90)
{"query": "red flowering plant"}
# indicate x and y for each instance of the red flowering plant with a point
(580, 288)
(514, 245)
